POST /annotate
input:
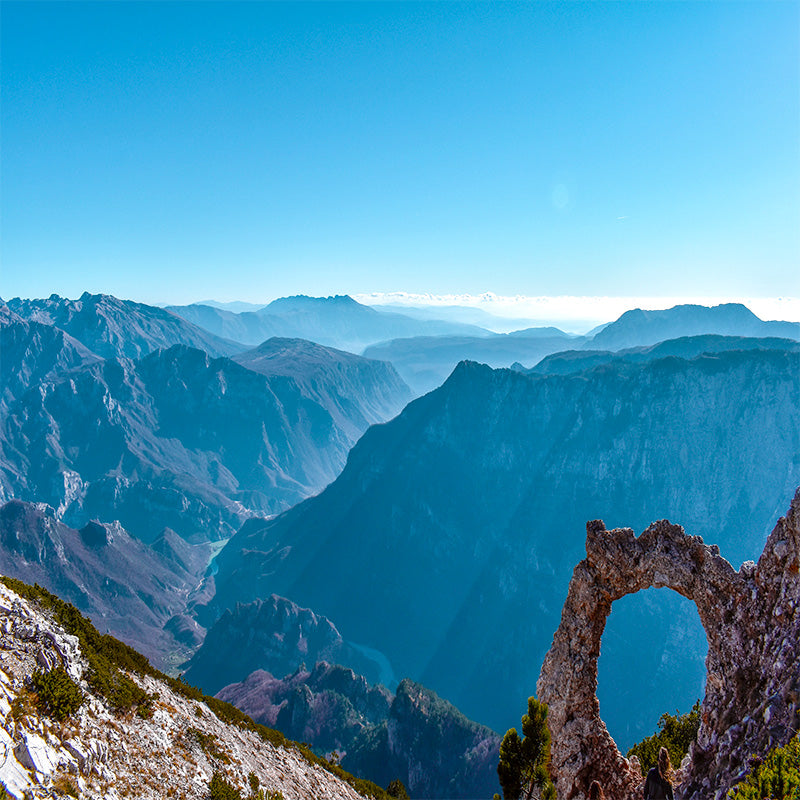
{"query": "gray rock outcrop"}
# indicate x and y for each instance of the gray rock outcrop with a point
(752, 621)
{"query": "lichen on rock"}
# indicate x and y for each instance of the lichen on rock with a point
(751, 620)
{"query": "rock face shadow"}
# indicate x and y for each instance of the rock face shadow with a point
(752, 622)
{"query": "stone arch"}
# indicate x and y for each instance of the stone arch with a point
(737, 611)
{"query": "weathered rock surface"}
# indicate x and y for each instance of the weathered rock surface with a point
(108, 756)
(752, 621)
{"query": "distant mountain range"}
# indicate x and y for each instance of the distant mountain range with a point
(424, 362)
(425, 350)
(412, 734)
(175, 438)
(455, 526)
(338, 322)
(568, 362)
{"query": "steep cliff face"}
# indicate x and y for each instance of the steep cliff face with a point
(357, 392)
(34, 352)
(452, 522)
(177, 439)
(752, 621)
(169, 750)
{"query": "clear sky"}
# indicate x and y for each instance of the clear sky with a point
(182, 151)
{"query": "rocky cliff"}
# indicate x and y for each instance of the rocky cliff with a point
(170, 747)
(752, 620)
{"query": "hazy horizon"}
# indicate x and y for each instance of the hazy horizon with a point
(573, 314)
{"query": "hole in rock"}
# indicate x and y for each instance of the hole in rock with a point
(652, 661)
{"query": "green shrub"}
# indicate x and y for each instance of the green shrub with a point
(524, 766)
(777, 776)
(220, 789)
(57, 694)
(675, 733)
(397, 789)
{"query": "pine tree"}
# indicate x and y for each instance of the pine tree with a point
(524, 762)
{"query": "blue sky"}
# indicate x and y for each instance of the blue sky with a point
(183, 151)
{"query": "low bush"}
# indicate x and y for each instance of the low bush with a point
(58, 696)
(220, 789)
(777, 776)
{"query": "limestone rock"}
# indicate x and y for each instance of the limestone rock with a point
(752, 622)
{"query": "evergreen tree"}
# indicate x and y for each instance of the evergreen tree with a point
(524, 762)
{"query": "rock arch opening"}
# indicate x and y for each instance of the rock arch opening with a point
(752, 622)
(652, 661)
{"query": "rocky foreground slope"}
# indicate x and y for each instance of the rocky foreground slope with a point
(165, 740)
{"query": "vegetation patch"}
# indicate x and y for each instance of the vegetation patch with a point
(675, 733)
(220, 789)
(66, 786)
(208, 742)
(777, 776)
(524, 768)
(58, 696)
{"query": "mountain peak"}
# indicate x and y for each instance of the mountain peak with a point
(302, 302)
(640, 327)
